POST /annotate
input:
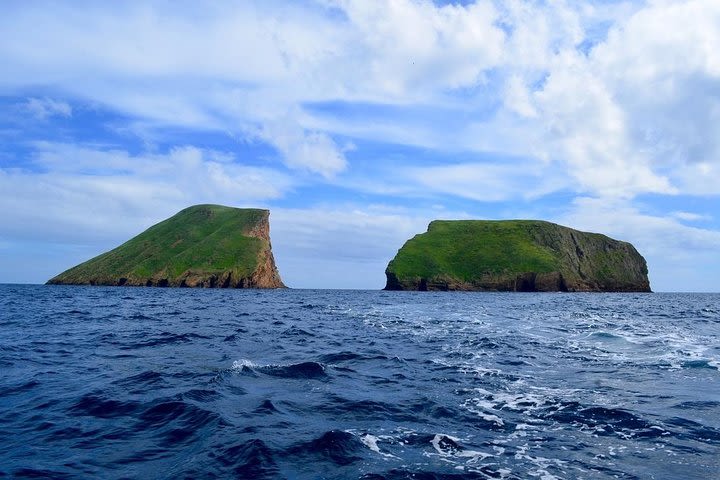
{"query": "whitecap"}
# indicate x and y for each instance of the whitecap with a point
(449, 446)
(243, 363)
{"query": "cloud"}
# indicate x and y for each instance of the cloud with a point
(617, 114)
(411, 47)
(109, 193)
(341, 246)
(42, 108)
(639, 112)
(689, 216)
(489, 182)
(309, 150)
(630, 110)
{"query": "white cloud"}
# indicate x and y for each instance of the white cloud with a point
(489, 182)
(108, 194)
(629, 117)
(42, 108)
(690, 216)
(310, 150)
(517, 97)
(539, 31)
(415, 46)
(640, 112)
(637, 113)
(340, 246)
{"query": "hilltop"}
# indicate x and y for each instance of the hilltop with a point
(515, 255)
(200, 246)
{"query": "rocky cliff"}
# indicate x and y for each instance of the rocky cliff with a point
(201, 246)
(515, 255)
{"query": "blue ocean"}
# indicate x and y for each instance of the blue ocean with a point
(102, 382)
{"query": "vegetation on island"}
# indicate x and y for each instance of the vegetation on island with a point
(203, 245)
(515, 255)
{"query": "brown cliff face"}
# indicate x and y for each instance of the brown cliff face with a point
(205, 246)
(266, 274)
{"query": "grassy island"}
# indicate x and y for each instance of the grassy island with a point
(515, 255)
(201, 246)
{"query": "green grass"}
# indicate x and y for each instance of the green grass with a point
(465, 249)
(203, 239)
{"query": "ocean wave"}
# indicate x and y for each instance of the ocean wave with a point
(96, 405)
(341, 448)
(164, 338)
(302, 370)
(251, 459)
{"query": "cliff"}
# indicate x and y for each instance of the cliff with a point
(200, 246)
(515, 255)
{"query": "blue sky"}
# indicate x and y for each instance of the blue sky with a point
(357, 122)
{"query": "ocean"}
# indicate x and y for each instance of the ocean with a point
(104, 382)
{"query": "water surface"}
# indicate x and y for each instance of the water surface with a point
(174, 383)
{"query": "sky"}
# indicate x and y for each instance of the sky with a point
(357, 122)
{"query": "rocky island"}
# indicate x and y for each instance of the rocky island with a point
(200, 246)
(515, 255)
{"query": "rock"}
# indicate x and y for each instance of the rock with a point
(208, 246)
(515, 255)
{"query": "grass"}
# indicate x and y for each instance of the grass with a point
(465, 249)
(203, 239)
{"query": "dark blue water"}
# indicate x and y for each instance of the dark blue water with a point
(174, 383)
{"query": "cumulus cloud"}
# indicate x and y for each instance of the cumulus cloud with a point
(410, 46)
(309, 150)
(638, 112)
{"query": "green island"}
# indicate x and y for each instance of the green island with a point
(515, 255)
(200, 246)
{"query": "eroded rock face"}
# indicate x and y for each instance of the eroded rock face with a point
(518, 256)
(205, 246)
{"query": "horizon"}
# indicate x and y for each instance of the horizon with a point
(358, 123)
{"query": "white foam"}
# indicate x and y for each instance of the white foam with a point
(240, 364)
(542, 464)
(371, 441)
(489, 404)
(480, 408)
(438, 438)
(473, 455)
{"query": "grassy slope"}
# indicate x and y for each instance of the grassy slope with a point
(466, 248)
(202, 239)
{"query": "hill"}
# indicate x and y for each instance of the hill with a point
(200, 246)
(515, 255)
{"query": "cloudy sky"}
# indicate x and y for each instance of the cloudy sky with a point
(356, 122)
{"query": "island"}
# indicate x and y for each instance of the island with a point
(209, 246)
(516, 256)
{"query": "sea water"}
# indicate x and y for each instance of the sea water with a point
(100, 382)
